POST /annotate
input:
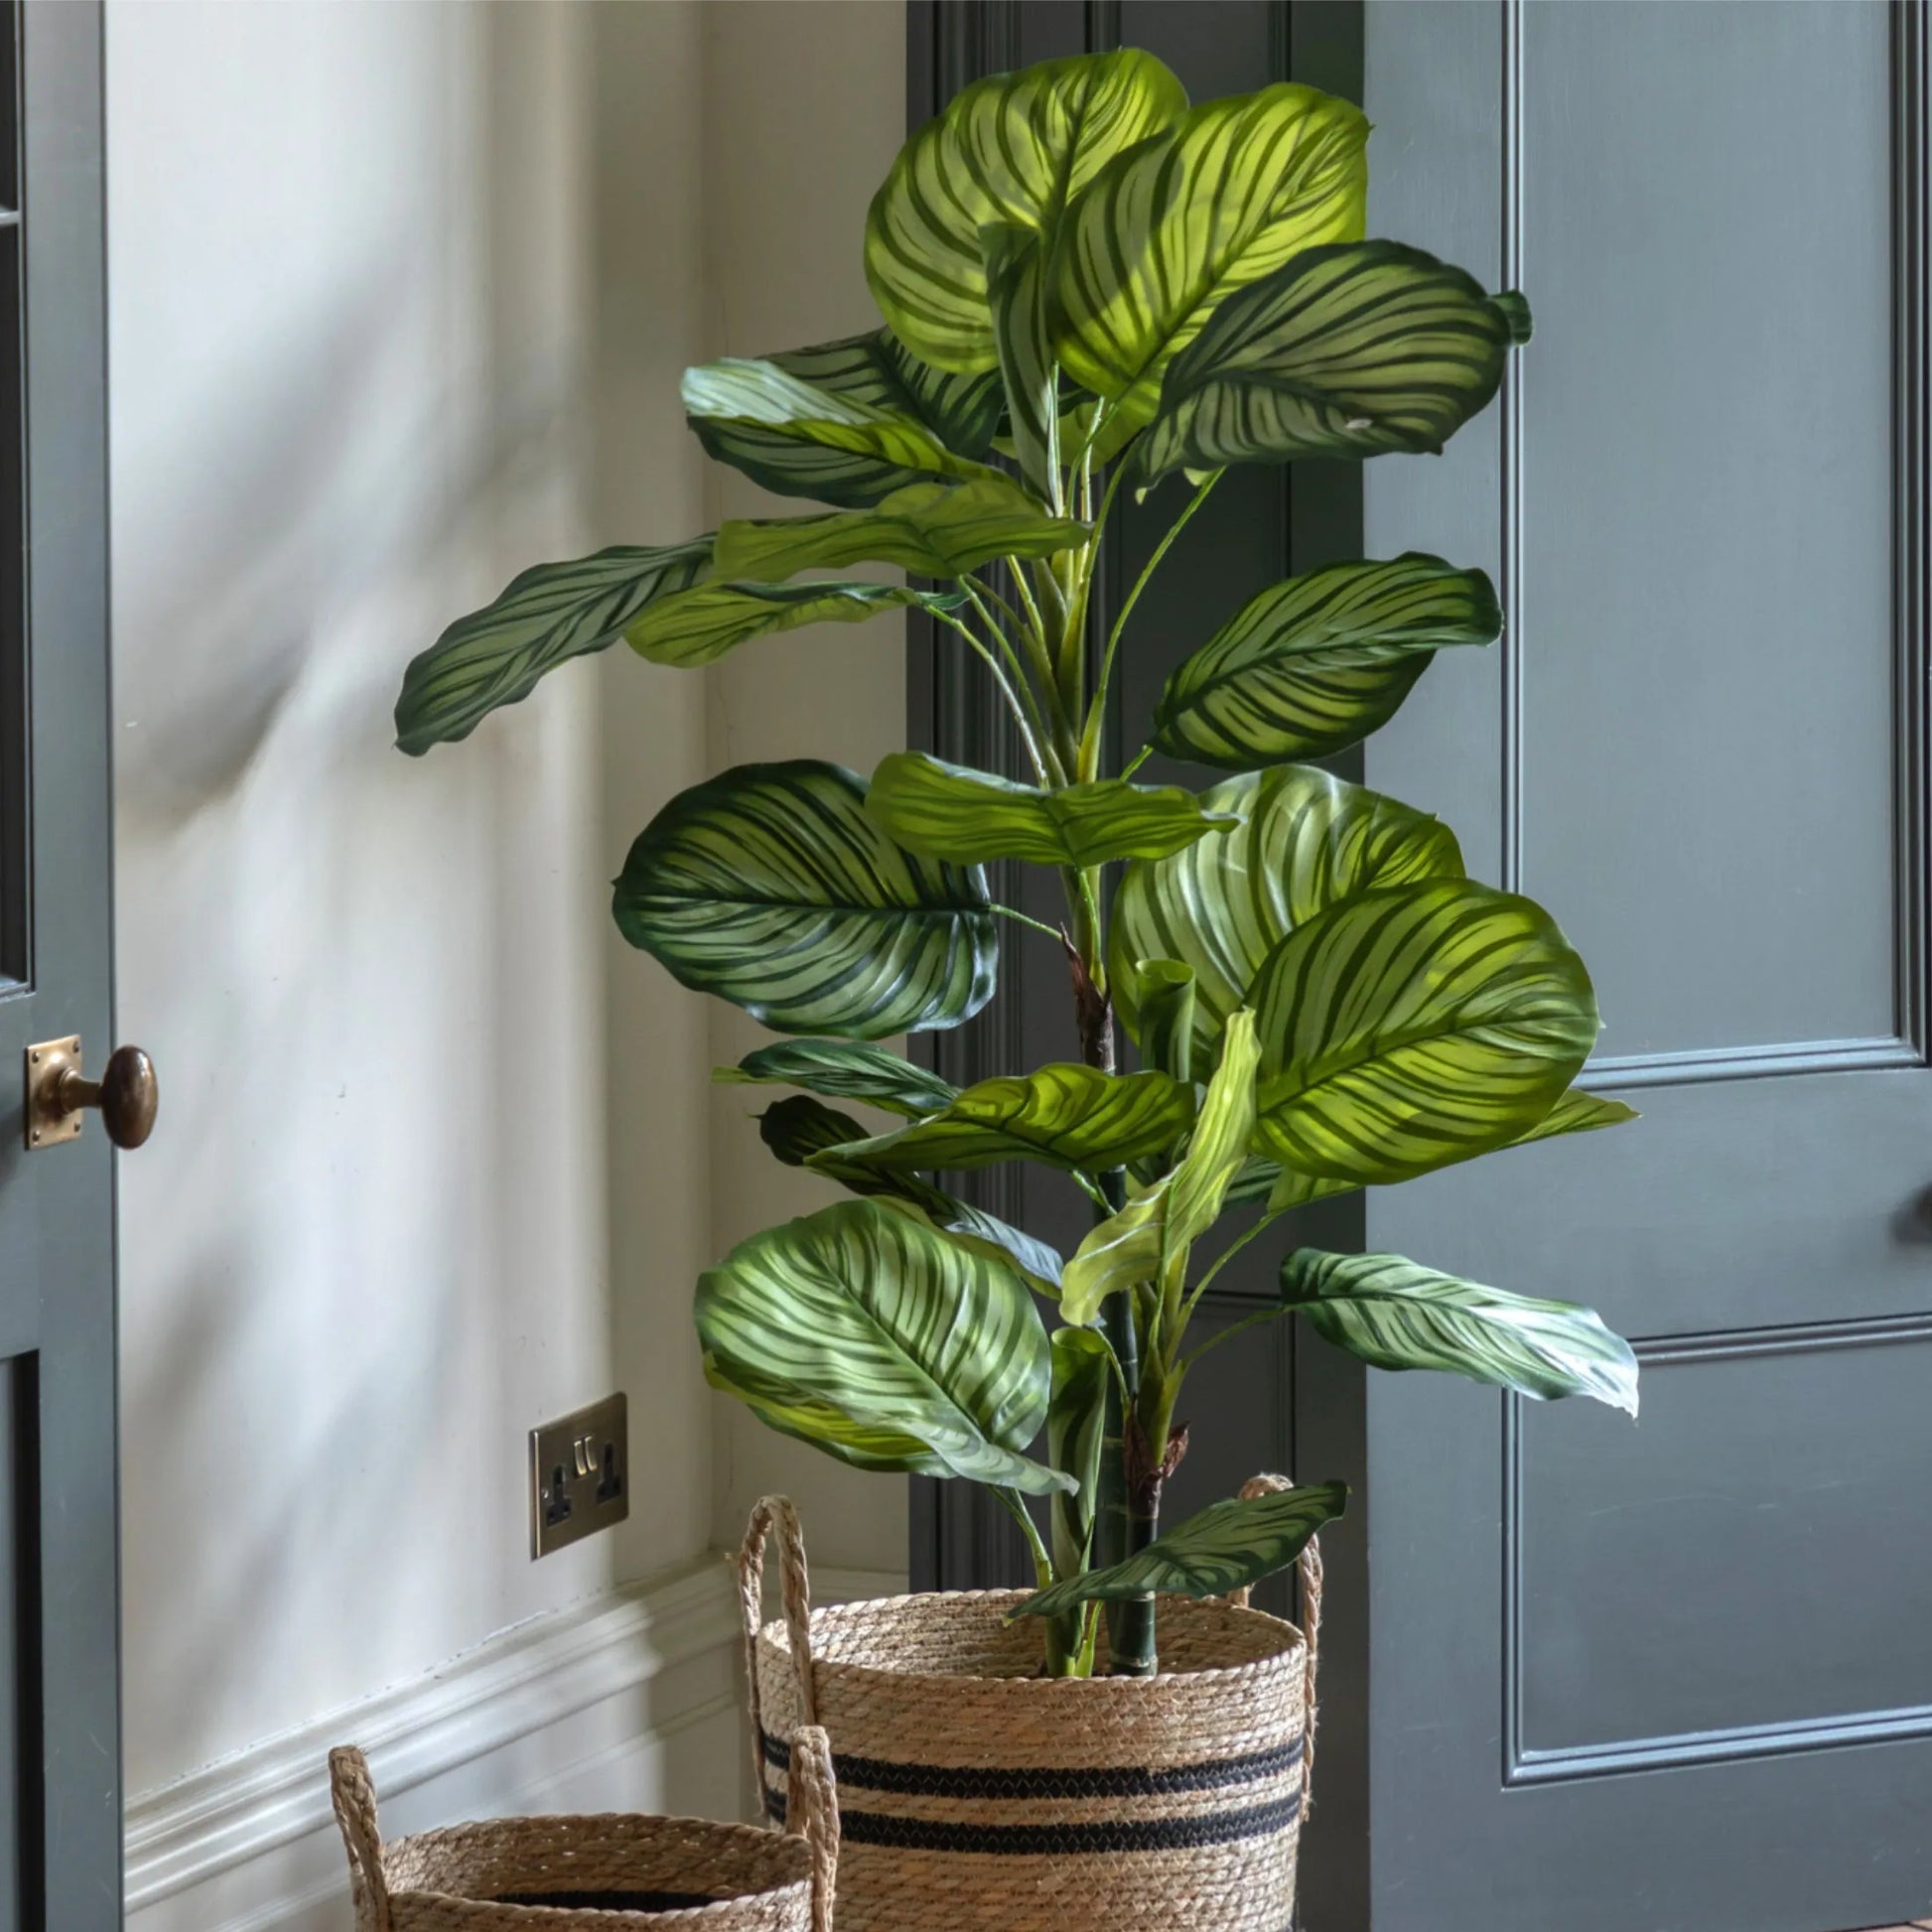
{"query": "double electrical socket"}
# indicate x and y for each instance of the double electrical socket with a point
(580, 1475)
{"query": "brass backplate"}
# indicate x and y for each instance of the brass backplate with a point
(580, 1475)
(46, 1062)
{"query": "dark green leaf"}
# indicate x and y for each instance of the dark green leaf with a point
(1169, 230)
(860, 1331)
(1308, 840)
(548, 616)
(844, 1070)
(1014, 148)
(1410, 1028)
(1014, 290)
(770, 887)
(1317, 663)
(1226, 1546)
(930, 529)
(950, 811)
(1076, 1432)
(1165, 989)
(1395, 1314)
(1066, 1116)
(1352, 351)
(698, 626)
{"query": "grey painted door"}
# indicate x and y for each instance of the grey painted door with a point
(60, 1776)
(1677, 1674)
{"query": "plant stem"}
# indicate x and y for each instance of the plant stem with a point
(1043, 772)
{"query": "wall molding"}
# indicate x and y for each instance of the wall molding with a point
(658, 1659)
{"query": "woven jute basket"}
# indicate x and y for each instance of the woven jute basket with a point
(598, 1874)
(978, 1794)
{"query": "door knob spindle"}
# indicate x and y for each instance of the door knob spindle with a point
(127, 1095)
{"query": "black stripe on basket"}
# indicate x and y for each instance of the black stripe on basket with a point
(1070, 1841)
(612, 1901)
(1106, 1781)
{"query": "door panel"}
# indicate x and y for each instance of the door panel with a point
(1676, 1675)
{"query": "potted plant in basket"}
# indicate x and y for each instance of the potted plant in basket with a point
(1088, 287)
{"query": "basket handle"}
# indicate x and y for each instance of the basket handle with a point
(812, 1813)
(353, 1796)
(1310, 1564)
(776, 1512)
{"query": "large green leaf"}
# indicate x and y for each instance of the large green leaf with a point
(548, 616)
(1395, 1314)
(1148, 1240)
(845, 1070)
(930, 529)
(1014, 149)
(1414, 1027)
(1308, 840)
(948, 811)
(1076, 1433)
(1016, 272)
(1225, 1547)
(873, 372)
(1064, 1115)
(770, 887)
(1168, 231)
(1352, 350)
(1261, 1179)
(1318, 663)
(790, 435)
(799, 1128)
(701, 625)
(857, 1324)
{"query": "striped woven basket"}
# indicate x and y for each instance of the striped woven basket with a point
(977, 1794)
(598, 1874)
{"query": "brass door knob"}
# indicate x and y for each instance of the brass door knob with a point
(127, 1095)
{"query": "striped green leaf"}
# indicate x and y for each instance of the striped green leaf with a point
(1014, 148)
(1317, 663)
(803, 441)
(770, 887)
(1150, 1239)
(1414, 1027)
(548, 616)
(1225, 1547)
(797, 1129)
(1066, 1116)
(948, 811)
(860, 1331)
(1395, 1314)
(1308, 839)
(1165, 989)
(930, 529)
(1168, 231)
(1017, 296)
(1281, 1188)
(1076, 1432)
(701, 625)
(1354, 350)
(845, 1070)
(873, 374)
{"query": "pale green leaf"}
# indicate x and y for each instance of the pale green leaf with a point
(1308, 840)
(1394, 1314)
(1225, 1547)
(1014, 149)
(701, 625)
(1354, 350)
(770, 887)
(1317, 663)
(549, 614)
(950, 811)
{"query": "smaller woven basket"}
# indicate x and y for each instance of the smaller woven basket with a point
(598, 1874)
(979, 1795)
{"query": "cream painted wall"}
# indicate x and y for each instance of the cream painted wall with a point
(399, 297)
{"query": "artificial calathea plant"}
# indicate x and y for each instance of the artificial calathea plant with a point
(1090, 287)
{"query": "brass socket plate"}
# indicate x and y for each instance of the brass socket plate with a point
(580, 1475)
(46, 1060)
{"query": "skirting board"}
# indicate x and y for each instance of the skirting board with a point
(628, 1702)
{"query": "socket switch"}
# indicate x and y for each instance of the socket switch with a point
(580, 1475)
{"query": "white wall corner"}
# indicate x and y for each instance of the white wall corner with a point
(603, 1705)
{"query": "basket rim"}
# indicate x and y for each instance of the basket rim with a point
(773, 1637)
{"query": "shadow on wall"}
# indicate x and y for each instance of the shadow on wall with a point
(349, 362)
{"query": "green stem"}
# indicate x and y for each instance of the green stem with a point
(1045, 772)
(1025, 919)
